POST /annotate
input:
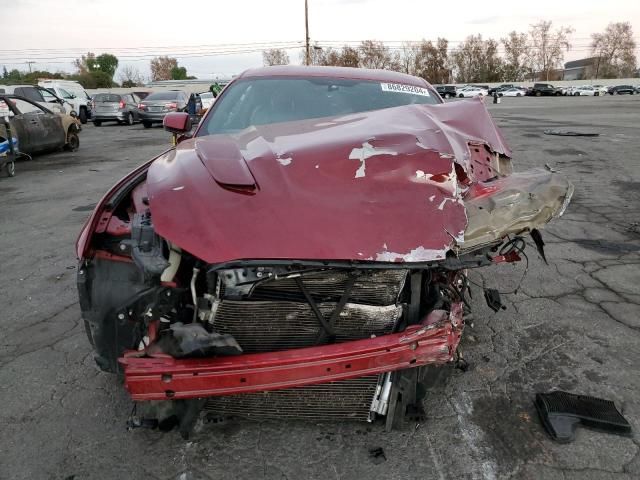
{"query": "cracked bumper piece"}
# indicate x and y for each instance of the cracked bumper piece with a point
(514, 204)
(164, 377)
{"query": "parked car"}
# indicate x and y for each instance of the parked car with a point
(622, 90)
(73, 93)
(314, 232)
(512, 92)
(540, 89)
(586, 90)
(40, 95)
(115, 107)
(446, 91)
(601, 88)
(207, 100)
(472, 92)
(153, 108)
(501, 88)
(37, 128)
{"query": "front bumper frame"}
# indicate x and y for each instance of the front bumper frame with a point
(161, 377)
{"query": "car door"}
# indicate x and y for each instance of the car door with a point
(44, 129)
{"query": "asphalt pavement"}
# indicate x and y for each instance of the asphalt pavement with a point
(573, 325)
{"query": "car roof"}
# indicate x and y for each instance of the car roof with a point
(333, 72)
(10, 96)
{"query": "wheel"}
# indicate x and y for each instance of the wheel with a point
(97, 123)
(518, 94)
(447, 96)
(501, 94)
(538, 94)
(146, 124)
(83, 116)
(615, 92)
(576, 94)
(631, 92)
(596, 94)
(130, 119)
(73, 142)
(11, 169)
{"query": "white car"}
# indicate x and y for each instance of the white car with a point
(603, 89)
(73, 93)
(207, 99)
(586, 90)
(512, 92)
(40, 95)
(472, 92)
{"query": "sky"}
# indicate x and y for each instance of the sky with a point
(225, 37)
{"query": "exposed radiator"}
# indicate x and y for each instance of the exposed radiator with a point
(345, 399)
(279, 325)
(374, 287)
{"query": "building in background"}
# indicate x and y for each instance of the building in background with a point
(581, 69)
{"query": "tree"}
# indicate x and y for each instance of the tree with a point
(477, 60)
(178, 73)
(86, 63)
(430, 61)
(161, 67)
(615, 49)
(130, 76)
(548, 46)
(106, 63)
(5, 73)
(350, 57)
(517, 58)
(13, 76)
(275, 56)
(33, 77)
(375, 54)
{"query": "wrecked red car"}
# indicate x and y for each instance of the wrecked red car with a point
(305, 252)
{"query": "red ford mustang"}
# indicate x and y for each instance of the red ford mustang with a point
(305, 252)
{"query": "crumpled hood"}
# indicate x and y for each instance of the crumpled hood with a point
(377, 185)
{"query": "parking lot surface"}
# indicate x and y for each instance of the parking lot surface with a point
(572, 325)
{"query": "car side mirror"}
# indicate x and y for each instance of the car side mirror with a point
(177, 122)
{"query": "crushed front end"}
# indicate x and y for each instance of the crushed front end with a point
(349, 323)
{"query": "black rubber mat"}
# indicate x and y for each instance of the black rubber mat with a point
(561, 413)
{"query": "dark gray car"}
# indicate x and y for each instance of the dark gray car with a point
(153, 108)
(121, 108)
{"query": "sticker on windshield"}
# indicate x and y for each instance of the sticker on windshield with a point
(401, 88)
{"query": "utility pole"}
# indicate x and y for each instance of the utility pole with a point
(306, 30)
(30, 63)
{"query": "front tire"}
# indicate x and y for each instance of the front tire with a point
(146, 124)
(518, 94)
(73, 142)
(538, 94)
(130, 119)
(97, 123)
(447, 96)
(461, 96)
(10, 167)
(83, 116)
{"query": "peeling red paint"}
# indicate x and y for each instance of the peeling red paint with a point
(302, 211)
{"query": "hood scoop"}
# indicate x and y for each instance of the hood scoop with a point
(224, 161)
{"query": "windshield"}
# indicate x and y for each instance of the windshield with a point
(272, 100)
(106, 98)
(64, 93)
(163, 96)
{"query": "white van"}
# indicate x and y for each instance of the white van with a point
(73, 93)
